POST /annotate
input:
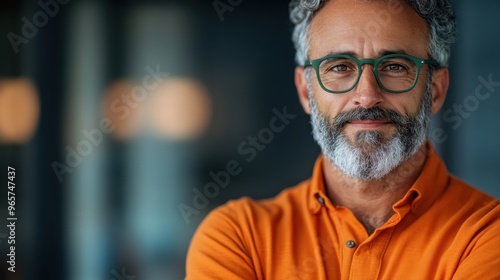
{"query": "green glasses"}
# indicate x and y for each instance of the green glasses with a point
(395, 73)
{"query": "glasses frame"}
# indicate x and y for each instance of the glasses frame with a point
(374, 62)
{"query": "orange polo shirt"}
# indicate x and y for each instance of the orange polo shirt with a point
(442, 229)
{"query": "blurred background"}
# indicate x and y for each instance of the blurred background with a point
(128, 121)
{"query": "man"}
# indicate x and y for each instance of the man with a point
(380, 203)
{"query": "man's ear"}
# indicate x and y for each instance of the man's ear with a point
(301, 85)
(440, 84)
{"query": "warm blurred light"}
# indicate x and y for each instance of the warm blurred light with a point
(19, 110)
(181, 109)
(122, 109)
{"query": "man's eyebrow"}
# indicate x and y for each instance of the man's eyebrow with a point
(387, 52)
(349, 53)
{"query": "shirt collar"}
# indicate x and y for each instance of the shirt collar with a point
(316, 192)
(430, 184)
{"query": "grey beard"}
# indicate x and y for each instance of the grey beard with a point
(370, 157)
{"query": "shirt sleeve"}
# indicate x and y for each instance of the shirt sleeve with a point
(218, 251)
(483, 259)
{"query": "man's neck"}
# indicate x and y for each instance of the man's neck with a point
(371, 201)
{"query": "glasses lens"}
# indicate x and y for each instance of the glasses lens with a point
(338, 74)
(397, 73)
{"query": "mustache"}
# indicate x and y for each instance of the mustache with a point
(369, 114)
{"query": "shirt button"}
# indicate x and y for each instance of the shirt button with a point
(351, 244)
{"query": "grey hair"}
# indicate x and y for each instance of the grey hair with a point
(438, 14)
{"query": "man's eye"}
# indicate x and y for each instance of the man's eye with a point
(395, 67)
(340, 68)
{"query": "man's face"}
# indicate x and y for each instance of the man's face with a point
(367, 132)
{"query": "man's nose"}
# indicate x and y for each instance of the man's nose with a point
(367, 92)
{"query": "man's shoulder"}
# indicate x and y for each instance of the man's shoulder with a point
(249, 224)
(474, 206)
(464, 193)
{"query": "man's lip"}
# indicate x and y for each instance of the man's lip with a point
(369, 123)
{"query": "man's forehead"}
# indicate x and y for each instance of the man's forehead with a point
(352, 26)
